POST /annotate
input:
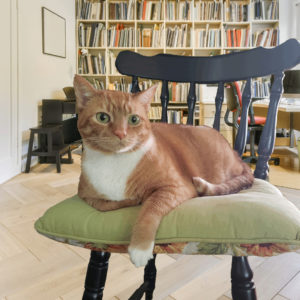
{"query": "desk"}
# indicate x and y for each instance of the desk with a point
(288, 116)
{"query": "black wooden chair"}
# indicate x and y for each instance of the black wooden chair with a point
(218, 69)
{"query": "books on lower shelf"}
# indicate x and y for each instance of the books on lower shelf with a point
(265, 10)
(120, 36)
(90, 10)
(178, 10)
(207, 37)
(237, 37)
(150, 37)
(266, 38)
(97, 83)
(207, 10)
(121, 85)
(91, 35)
(236, 12)
(91, 64)
(121, 10)
(178, 36)
(149, 10)
(155, 113)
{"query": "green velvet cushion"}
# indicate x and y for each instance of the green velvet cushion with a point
(258, 215)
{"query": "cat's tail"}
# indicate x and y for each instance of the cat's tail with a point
(236, 184)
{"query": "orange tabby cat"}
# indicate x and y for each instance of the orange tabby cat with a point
(129, 161)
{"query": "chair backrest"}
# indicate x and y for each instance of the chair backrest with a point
(220, 69)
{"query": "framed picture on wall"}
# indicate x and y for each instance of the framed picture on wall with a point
(54, 33)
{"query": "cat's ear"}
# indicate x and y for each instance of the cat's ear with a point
(146, 97)
(84, 91)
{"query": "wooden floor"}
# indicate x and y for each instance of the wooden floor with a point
(34, 267)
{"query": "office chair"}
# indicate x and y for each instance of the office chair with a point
(255, 123)
(247, 223)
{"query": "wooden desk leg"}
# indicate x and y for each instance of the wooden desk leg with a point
(292, 134)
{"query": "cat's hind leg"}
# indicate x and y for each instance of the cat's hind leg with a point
(203, 187)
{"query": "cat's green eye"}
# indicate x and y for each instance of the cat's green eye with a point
(134, 120)
(102, 117)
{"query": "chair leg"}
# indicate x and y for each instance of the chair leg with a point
(96, 275)
(58, 163)
(150, 276)
(28, 162)
(241, 279)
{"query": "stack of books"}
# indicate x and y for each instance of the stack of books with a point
(177, 36)
(91, 64)
(266, 38)
(94, 10)
(237, 37)
(208, 37)
(178, 10)
(150, 37)
(236, 12)
(120, 36)
(91, 35)
(149, 10)
(265, 10)
(121, 10)
(207, 10)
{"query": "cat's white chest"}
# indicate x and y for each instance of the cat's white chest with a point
(109, 173)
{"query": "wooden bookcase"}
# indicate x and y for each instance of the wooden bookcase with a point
(195, 23)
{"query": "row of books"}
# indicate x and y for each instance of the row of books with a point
(210, 10)
(260, 87)
(266, 38)
(179, 10)
(236, 12)
(149, 10)
(91, 35)
(121, 10)
(120, 36)
(177, 36)
(265, 10)
(207, 37)
(121, 85)
(237, 37)
(150, 37)
(91, 64)
(86, 9)
(155, 113)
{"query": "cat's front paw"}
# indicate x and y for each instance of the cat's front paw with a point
(140, 257)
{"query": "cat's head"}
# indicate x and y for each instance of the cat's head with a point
(112, 121)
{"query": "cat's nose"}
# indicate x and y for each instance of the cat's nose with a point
(120, 134)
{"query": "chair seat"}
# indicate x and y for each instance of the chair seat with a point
(257, 120)
(258, 221)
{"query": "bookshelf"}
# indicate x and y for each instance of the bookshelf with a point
(183, 27)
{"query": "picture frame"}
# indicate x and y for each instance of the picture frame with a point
(54, 33)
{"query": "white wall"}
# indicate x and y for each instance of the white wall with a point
(42, 76)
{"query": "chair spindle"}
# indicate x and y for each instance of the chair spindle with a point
(191, 100)
(135, 85)
(241, 136)
(267, 139)
(164, 97)
(218, 102)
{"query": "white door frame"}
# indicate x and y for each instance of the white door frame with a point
(12, 166)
